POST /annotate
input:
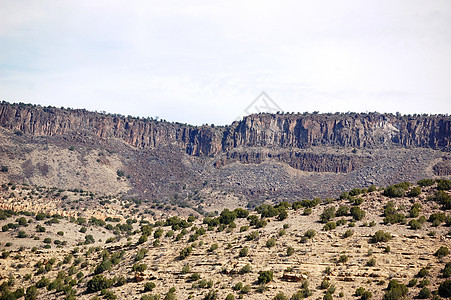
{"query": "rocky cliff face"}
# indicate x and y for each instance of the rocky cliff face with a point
(263, 130)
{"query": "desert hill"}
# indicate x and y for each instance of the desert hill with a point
(264, 157)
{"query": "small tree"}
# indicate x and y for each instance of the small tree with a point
(265, 277)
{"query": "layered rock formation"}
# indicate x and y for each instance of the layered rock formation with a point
(263, 130)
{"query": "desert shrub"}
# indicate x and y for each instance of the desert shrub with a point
(348, 233)
(244, 251)
(265, 277)
(443, 184)
(270, 242)
(446, 272)
(425, 182)
(325, 284)
(371, 262)
(246, 269)
(395, 290)
(437, 219)
(282, 215)
(307, 211)
(282, 232)
(97, 283)
(230, 297)
(238, 286)
(290, 251)
(268, 211)
(310, 233)
(194, 277)
(442, 252)
(424, 282)
(43, 282)
(412, 282)
(357, 213)
(139, 267)
(381, 236)
(416, 191)
(149, 286)
(213, 248)
(211, 295)
(105, 265)
(226, 217)
(423, 272)
(414, 224)
(158, 233)
(241, 213)
(394, 191)
(444, 289)
(141, 254)
(246, 289)
(83, 229)
(252, 236)
(21, 234)
(244, 228)
(327, 214)
(185, 252)
(261, 223)
(280, 296)
(443, 198)
(342, 210)
(330, 226)
(343, 258)
(424, 293)
(415, 210)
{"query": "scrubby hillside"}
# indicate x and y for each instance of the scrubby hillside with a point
(384, 243)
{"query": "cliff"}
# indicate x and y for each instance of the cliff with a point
(263, 130)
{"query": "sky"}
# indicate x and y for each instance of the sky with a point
(208, 61)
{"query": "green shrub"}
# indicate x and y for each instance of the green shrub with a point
(327, 214)
(423, 272)
(443, 198)
(330, 226)
(310, 233)
(149, 286)
(426, 182)
(280, 296)
(395, 290)
(446, 272)
(416, 191)
(244, 251)
(424, 293)
(444, 289)
(414, 224)
(357, 213)
(265, 277)
(97, 283)
(270, 242)
(443, 184)
(381, 236)
(246, 269)
(139, 267)
(442, 252)
(290, 251)
(230, 297)
(184, 253)
(211, 295)
(371, 262)
(348, 233)
(342, 210)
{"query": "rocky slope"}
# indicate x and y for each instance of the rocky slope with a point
(265, 130)
(264, 156)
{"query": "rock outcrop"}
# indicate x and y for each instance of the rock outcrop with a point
(291, 131)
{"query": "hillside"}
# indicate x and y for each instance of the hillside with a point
(264, 157)
(350, 248)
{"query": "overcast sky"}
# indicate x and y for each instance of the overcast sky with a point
(206, 61)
